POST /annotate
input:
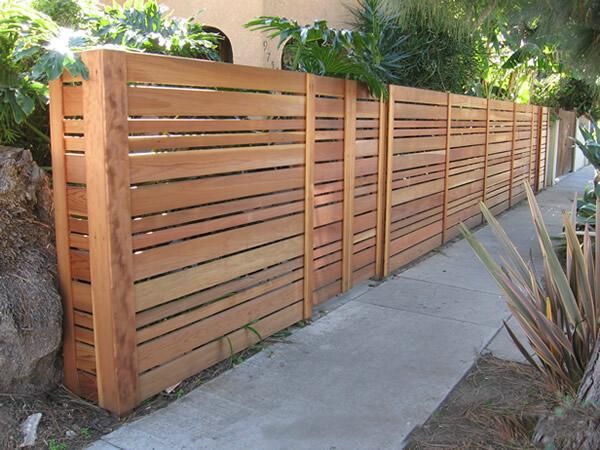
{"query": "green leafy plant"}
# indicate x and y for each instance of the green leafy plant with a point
(386, 45)
(53, 444)
(318, 49)
(148, 26)
(559, 312)
(566, 91)
(572, 28)
(68, 13)
(586, 209)
(590, 146)
(586, 206)
(85, 432)
(35, 49)
(369, 54)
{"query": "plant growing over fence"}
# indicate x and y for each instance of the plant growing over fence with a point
(147, 26)
(34, 49)
(566, 91)
(371, 53)
(559, 311)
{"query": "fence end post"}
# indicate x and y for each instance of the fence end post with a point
(62, 232)
(105, 113)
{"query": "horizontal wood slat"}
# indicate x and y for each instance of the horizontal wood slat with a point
(158, 101)
(156, 69)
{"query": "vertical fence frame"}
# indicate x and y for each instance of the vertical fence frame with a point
(309, 196)
(382, 164)
(350, 91)
(389, 163)
(486, 150)
(542, 183)
(109, 219)
(62, 230)
(531, 113)
(447, 167)
(538, 161)
(108, 188)
(512, 155)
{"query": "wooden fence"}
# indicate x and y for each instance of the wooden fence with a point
(200, 205)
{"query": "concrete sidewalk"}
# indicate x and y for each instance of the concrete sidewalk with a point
(363, 376)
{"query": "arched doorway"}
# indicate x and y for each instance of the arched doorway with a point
(224, 45)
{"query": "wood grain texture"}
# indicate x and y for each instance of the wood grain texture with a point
(389, 156)
(531, 146)
(447, 165)
(174, 285)
(542, 147)
(512, 155)
(62, 231)
(152, 101)
(349, 180)
(381, 191)
(177, 255)
(109, 216)
(157, 69)
(154, 381)
(309, 197)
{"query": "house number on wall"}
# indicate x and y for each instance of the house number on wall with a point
(268, 54)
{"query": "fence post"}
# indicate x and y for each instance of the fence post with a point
(545, 111)
(109, 221)
(512, 155)
(309, 204)
(381, 197)
(389, 170)
(531, 112)
(61, 227)
(487, 149)
(538, 161)
(349, 174)
(447, 165)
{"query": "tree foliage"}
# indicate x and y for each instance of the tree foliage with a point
(68, 13)
(526, 41)
(441, 60)
(379, 50)
(568, 92)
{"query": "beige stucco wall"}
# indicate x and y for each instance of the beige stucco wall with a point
(253, 47)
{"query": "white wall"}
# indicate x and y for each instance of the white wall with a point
(579, 161)
(552, 152)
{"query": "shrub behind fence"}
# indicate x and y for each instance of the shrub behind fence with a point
(203, 206)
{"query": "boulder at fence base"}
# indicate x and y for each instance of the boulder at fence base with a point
(30, 306)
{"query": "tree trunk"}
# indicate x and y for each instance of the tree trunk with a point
(578, 426)
(589, 389)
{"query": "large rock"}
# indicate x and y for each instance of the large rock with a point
(30, 307)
